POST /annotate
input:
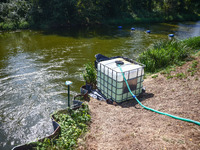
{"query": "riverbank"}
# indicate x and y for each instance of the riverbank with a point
(129, 126)
(24, 25)
(164, 54)
(21, 14)
(150, 20)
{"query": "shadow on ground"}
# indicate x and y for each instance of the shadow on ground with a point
(133, 102)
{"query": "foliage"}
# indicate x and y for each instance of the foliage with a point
(14, 14)
(61, 13)
(194, 42)
(73, 125)
(90, 74)
(163, 54)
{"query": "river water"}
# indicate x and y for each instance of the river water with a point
(34, 66)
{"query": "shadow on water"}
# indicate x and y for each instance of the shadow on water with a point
(112, 32)
(133, 102)
(100, 32)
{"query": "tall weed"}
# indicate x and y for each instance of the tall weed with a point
(163, 54)
(194, 42)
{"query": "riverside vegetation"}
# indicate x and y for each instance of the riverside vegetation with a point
(15, 14)
(90, 74)
(73, 124)
(164, 54)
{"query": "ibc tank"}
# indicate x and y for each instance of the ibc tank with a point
(110, 80)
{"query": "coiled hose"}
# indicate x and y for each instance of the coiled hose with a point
(159, 112)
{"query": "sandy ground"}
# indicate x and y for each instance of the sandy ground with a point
(128, 126)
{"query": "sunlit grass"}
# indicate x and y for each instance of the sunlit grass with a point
(163, 54)
(194, 43)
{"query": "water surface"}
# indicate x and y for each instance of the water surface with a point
(34, 66)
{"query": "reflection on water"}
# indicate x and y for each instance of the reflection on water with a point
(188, 30)
(34, 66)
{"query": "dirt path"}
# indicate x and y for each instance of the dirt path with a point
(130, 127)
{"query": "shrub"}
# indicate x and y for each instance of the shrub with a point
(90, 74)
(14, 14)
(23, 25)
(7, 26)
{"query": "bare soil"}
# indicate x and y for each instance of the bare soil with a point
(128, 126)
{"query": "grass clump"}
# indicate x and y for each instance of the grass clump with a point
(194, 43)
(193, 68)
(163, 54)
(180, 75)
(169, 76)
(73, 125)
(194, 64)
(154, 76)
(168, 70)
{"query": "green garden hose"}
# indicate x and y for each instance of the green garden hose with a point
(159, 112)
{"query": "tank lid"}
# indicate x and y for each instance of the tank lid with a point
(119, 62)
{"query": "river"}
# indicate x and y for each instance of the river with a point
(34, 66)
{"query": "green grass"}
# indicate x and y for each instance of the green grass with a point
(73, 124)
(169, 53)
(163, 54)
(169, 76)
(168, 70)
(194, 43)
(194, 64)
(155, 76)
(193, 68)
(180, 75)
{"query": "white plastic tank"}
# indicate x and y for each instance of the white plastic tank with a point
(111, 83)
